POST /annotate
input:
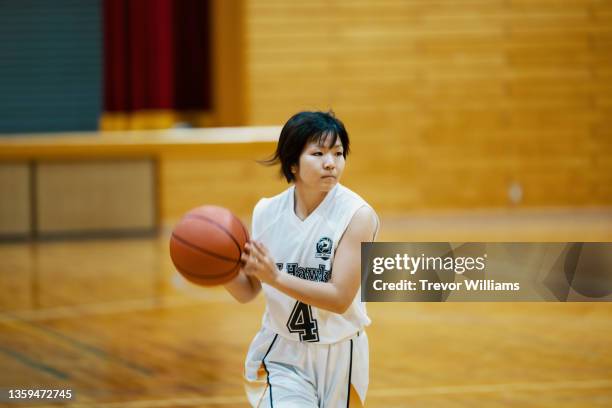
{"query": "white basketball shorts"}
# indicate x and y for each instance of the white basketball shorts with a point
(285, 373)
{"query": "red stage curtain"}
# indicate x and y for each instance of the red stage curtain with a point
(157, 58)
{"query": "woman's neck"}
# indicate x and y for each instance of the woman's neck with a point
(305, 202)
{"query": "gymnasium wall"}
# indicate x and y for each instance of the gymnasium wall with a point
(50, 73)
(459, 103)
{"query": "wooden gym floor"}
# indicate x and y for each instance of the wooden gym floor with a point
(110, 320)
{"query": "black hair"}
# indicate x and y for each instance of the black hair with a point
(301, 129)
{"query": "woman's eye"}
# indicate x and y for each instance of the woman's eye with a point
(338, 153)
(317, 154)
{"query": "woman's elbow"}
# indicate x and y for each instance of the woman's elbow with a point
(242, 299)
(244, 296)
(341, 307)
(252, 294)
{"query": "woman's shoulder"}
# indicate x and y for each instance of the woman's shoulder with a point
(272, 204)
(352, 215)
(351, 198)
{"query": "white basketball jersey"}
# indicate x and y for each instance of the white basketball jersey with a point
(306, 250)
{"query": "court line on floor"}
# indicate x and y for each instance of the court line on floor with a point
(32, 363)
(64, 312)
(85, 347)
(375, 393)
(484, 388)
(37, 329)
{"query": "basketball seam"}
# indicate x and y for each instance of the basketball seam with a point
(204, 277)
(246, 234)
(204, 251)
(229, 234)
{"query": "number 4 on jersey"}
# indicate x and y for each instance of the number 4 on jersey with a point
(301, 322)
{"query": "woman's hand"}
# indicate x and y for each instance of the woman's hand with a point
(259, 263)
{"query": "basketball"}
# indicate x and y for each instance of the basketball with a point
(206, 245)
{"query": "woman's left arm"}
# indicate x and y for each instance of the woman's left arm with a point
(335, 295)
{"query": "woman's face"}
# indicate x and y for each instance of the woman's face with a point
(320, 165)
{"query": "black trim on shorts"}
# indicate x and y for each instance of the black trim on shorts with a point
(266, 368)
(348, 390)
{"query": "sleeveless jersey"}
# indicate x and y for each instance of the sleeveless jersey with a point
(305, 249)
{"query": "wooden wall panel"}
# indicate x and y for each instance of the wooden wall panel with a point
(228, 177)
(100, 182)
(76, 197)
(228, 64)
(14, 199)
(449, 103)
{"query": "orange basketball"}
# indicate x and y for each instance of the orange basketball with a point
(206, 245)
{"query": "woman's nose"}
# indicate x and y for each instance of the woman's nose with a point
(329, 162)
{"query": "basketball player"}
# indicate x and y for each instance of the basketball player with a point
(311, 350)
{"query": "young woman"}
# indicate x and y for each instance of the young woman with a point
(312, 350)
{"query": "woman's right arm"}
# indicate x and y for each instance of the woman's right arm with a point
(243, 287)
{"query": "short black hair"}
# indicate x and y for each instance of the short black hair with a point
(301, 129)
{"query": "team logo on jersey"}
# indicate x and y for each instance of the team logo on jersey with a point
(324, 248)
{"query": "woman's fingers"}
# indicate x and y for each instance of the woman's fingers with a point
(246, 254)
(248, 258)
(262, 251)
(244, 258)
(254, 258)
(255, 251)
(262, 248)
